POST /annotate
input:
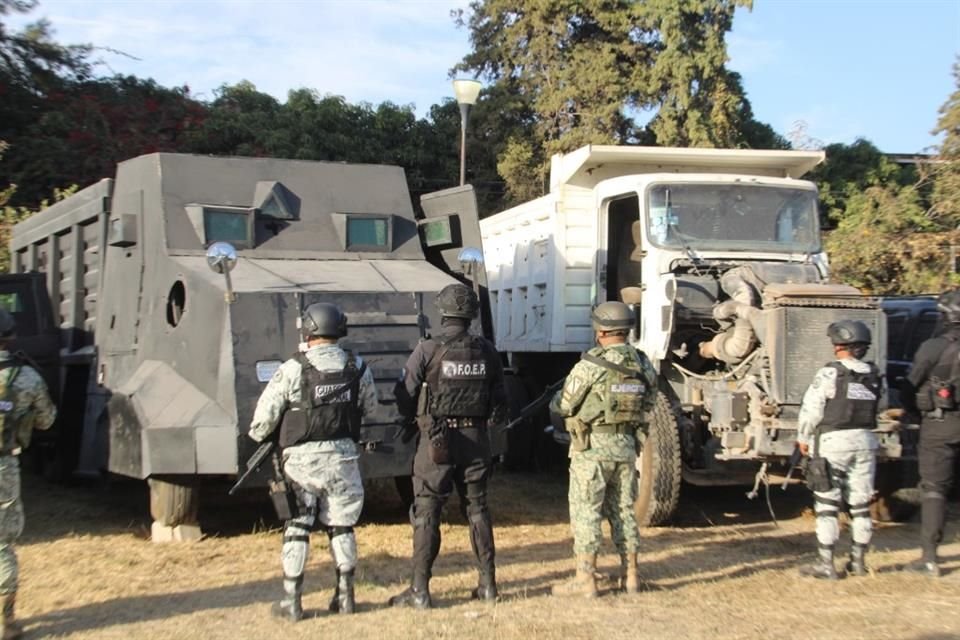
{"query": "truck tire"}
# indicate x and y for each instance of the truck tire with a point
(173, 503)
(659, 476)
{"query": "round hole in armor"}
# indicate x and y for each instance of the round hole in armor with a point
(176, 303)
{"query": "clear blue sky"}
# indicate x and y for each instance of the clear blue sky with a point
(877, 69)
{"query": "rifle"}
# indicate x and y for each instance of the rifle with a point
(535, 406)
(796, 460)
(254, 463)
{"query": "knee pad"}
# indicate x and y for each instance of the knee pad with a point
(333, 532)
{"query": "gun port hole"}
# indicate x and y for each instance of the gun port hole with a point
(176, 303)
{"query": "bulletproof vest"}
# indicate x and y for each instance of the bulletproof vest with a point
(622, 389)
(854, 404)
(941, 389)
(457, 378)
(330, 401)
(8, 422)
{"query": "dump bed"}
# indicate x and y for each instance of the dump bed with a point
(65, 242)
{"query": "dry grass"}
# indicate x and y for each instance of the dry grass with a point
(724, 572)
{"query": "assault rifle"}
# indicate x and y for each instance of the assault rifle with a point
(531, 409)
(796, 460)
(254, 463)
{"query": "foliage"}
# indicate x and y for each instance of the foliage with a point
(579, 72)
(946, 172)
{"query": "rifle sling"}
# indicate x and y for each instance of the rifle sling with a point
(606, 364)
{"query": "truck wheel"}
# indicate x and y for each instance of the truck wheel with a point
(658, 480)
(173, 503)
(521, 440)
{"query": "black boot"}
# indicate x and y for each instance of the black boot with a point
(11, 629)
(924, 567)
(856, 565)
(486, 587)
(418, 598)
(823, 568)
(334, 605)
(344, 593)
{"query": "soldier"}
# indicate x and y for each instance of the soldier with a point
(837, 416)
(334, 389)
(605, 401)
(454, 386)
(931, 388)
(24, 405)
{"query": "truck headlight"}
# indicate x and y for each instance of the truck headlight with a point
(266, 369)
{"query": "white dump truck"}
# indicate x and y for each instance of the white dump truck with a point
(719, 253)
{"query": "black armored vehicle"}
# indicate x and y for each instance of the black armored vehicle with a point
(162, 359)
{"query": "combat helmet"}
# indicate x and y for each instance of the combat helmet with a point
(848, 332)
(324, 320)
(8, 325)
(612, 316)
(949, 305)
(458, 301)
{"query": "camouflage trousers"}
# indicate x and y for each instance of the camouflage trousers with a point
(11, 522)
(852, 474)
(602, 489)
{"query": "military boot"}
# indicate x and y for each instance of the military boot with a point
(290, 607)
(823, 568)
(631, 577)
(584, 583)
(486, 587)
(345, 600)
(417, 595)
(856, 565)
(334, 605)
(11, 630)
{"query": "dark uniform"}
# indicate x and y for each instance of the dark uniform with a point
(931, 389)
(453, 386)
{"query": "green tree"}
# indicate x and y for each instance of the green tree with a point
(577, 72)
(946, 172)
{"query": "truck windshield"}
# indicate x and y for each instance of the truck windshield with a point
(738, 217)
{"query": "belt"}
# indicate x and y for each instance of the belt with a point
(465, 423)
(624, 428)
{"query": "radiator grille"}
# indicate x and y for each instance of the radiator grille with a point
(808, 348)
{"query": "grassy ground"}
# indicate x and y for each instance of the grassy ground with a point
(724, 571)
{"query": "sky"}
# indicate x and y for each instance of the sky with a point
(845, 69)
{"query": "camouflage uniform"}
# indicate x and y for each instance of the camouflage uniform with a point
(851, 454)
(25, 407)
(325, 475)
(603, 481)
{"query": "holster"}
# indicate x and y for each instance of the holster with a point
(439, 442)
(579, 434)
(817, 473)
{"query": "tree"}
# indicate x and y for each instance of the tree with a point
(577, 72)
(946, 172)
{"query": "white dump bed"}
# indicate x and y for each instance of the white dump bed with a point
(541, 255)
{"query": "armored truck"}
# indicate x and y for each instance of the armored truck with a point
(163, 359)
(719, 254)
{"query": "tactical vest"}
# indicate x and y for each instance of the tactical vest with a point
(624, 387)
(331, 402)
(854, 404)
(457, 376)
(9, 426)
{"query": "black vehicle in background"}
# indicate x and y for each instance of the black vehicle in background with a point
(910, 321)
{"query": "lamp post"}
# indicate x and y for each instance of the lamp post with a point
(466, 92)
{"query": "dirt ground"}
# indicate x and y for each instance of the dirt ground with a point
(723, 571)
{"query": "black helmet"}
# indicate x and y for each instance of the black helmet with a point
(848, 332)
(324, 320)
(949, 305)
(613, 316)
(8, 326)
(458, 301)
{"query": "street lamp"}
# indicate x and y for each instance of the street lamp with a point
(466, 92)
